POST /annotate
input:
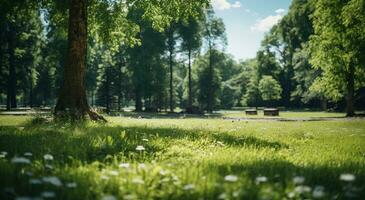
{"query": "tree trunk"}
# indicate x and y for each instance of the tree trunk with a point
(171, 79)
(210, 83)
(350, 98)
(190, 100)
(138, 99)
(11, 93)
(72, 102)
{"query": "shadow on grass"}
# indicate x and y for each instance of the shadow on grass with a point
(96, 143)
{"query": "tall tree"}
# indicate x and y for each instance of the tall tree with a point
(190, 31)
(338, 48)
(214, 34)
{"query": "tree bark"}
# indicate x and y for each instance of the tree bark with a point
(171, 82)
(72, 102)
(190, 100)
(350, 98)
(210, 83)
(11, 93)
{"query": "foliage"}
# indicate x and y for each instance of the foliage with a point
(269, 88)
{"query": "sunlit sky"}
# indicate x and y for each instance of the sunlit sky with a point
(247, 21)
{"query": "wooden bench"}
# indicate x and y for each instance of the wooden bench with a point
(271, 112)
(251, 112)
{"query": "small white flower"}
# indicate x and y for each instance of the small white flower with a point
(52, 180)
(302, 189)
(48, 157)
(124, 165)
(108, 197)
(48, 194)
(220, 143)
(298, 180)
(138, 181)
(318, 192)
(35, 181)
(261, 179)
(113, 173)
(231, 178)
(71, 185)
(20, 160)
(347, 177)
(140, 148)
(29, 154)
(222, 196)
(189, 187)
(145, 140)
(47, 166)
(141, 166)
(129, 197)
(163, 172)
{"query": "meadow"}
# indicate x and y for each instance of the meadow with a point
(158, 157)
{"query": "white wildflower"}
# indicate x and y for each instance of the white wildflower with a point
(48, 194)
(108, 197)
(298, 180)
(29, 154)
(189, 187)
(71, 185)
(220, 143)
(138, 181)
(222, 196)
(140, 148)
(163, 172)
(261, 179)
(23, 198)
(35, 181)
(124, 165)
(231, 178)
(347, 177)
(20, 160)
(141, 166)
(48, 157)
(318, 192)
(145, 140)
(113, 173)
(52, 180)
(302, 189)
(129, 197)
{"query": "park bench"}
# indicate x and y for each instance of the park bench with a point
(251, 112)
(271, 112)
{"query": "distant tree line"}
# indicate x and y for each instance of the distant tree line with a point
(313, 58)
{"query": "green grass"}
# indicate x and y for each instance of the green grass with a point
(183, 159)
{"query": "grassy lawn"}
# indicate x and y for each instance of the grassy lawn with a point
(193, 158)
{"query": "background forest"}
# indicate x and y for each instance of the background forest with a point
(301, 63)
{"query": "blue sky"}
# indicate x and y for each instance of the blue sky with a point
(247, 21)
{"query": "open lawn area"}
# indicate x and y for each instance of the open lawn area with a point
(192, 158)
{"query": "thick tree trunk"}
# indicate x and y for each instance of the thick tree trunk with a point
(171, 82)
(350, 98)
(11, 93)
(72, 102)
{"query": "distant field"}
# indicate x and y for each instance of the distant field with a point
(191, 158)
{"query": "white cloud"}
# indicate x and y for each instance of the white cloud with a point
(265, 24)
(225, 5)
(280, 11)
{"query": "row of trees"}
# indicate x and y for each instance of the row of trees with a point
(162, 56)
(316, 54)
